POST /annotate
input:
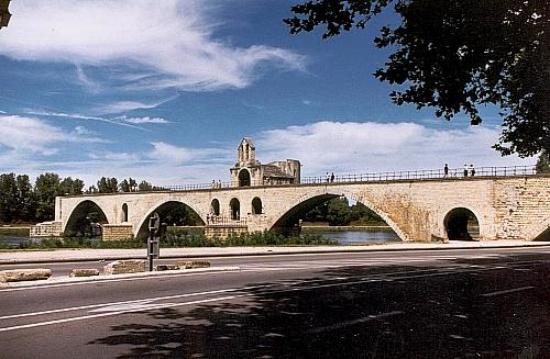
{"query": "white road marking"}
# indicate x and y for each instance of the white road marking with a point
(128, 302)
(353, 322)
(84, 317)
(493, 294)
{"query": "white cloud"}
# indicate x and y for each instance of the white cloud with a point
(166, 152)
(78, 116)
(306, 102)
(349, 147)
(89, 84)
(171, 41)
(126, 106)
(142, 120)
(31, 135)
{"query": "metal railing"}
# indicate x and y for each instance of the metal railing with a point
(416, 175)
(452, 173)
(214, 220)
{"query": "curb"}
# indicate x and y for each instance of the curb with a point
(110, 277)
(268, 253)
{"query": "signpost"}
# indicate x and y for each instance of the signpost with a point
(153, 241)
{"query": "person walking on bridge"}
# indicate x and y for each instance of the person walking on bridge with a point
(465, 170)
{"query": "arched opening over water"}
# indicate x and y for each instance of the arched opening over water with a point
(85, 220)
(257, 206)
(544, 236)
(215, 207)
(461, 224)
(125, 212)
(336, 217)
(244, 178)
(174, 214)
(235, 209)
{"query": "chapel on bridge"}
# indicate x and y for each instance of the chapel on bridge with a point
(248, 171)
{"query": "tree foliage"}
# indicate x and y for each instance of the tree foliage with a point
(543, 163)
(20, 201)
(107, 185)
(458, 55)
(338, 212)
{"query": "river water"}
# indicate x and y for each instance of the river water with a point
(360, 237)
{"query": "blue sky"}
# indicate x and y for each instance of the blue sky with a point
(164, 91)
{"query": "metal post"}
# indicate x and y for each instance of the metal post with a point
(153, 239)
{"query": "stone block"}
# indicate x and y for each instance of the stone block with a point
(163, 267)
(18, 275)
(125, 266)
(192, 264)
(84, 272)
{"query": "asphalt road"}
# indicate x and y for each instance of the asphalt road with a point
(490, 303)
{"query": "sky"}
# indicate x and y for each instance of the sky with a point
(165, 90)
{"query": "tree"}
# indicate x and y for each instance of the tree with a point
(25, 199)
(543, 163)
(338, 212)
(71, 187)
(46, 187)
(458, 55)
(8, 197)
(107, 185)
(145, 186)
(124, 186)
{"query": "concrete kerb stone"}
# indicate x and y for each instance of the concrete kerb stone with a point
(19, 275)
(84, 272)
(125, 266)
(106, 278)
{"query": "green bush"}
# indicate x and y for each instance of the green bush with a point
(178, 238)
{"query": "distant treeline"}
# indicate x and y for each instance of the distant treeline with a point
(338, 212)
(23, 202)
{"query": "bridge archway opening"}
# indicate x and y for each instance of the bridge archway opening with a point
(461, 224)
(85, 220)
(175, 214)
(336, 210)
(244, 178)
(235, 209)
(544, 236)
(215, 207)
(125, 212)
(257, 207)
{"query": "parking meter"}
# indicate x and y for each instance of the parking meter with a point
(153, 240)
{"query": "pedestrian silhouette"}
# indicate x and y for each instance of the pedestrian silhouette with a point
(332, 177)
(446, 170)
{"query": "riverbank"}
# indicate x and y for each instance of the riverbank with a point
(75, 255)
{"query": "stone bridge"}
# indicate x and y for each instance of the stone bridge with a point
(516, 207)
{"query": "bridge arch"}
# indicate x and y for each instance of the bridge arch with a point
(163, 208)
(287, 217)
(235, 209)
(541, 232)
(124, 212)
(462, 223)
(257, 205)
(215, 207)
(82, 215)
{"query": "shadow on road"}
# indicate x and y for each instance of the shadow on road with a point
(358, 312)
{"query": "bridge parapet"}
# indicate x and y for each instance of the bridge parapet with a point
(367, 177)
